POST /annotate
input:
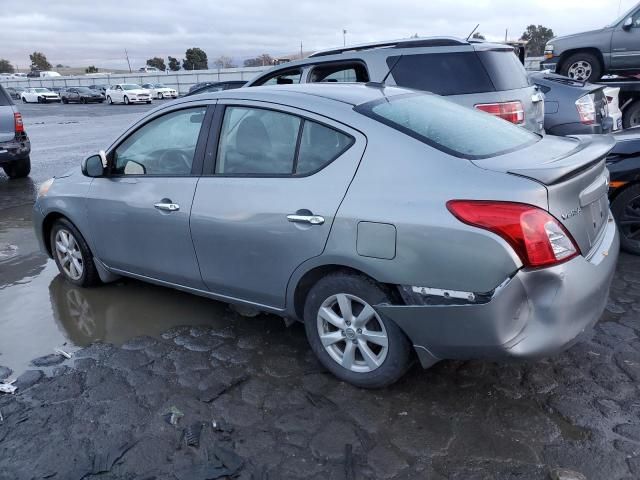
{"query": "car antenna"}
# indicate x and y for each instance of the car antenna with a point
(382, 83)
(473, 31)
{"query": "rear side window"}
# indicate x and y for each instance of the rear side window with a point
(283, 77)
(456, 130)
(4, 98)
(455, 73)
(319, 146)
(504, 69)
(343, 72)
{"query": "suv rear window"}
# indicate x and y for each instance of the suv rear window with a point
(456, 130)
(504, 69)
(453, 73)
(4, 98)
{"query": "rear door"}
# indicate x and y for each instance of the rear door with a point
(268, 204)
(7, 121)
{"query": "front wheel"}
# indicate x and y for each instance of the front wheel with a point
(83, 100)
(72, 255)
(349, 337)
(126, 100)
(18, 169)
(582, 66)
(109, 101)
(626, 210)
(160, 96)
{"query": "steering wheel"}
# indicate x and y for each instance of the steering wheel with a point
(170, 158)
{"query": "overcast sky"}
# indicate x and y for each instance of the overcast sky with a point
(82, 33)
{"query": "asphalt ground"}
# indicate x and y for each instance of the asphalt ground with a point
(162, 384)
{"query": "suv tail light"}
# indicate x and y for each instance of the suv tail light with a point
(17, 121)
(586, 106)
(510, 111)
(535, 235)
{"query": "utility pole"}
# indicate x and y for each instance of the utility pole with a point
(301, 49)
(344, 37)
(506, 35)
(128, 62)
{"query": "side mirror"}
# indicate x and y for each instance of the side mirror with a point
(92, 166)
(628, 23)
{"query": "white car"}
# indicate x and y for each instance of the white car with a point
(39, 95)
(127, 93)
(612, 94)
(160, 91)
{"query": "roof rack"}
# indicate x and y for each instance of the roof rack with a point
(404, 43)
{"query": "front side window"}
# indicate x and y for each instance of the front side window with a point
(255, 141)
(164, 146)
(459, 131)
(287, 77)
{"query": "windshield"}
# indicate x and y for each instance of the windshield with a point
(42, 90)
(628, 13)
(459, 131)
(130, 86)
(84, 90)
(158, 85)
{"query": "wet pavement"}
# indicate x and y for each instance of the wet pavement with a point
(246, 395)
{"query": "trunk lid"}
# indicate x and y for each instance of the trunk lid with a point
(573, 171)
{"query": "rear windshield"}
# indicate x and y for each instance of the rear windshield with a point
(4, 98)
(459, 73)
(456, 130)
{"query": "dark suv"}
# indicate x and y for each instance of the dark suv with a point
(487, 76)
(14, 143)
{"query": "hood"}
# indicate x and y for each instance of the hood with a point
(69, 173)
(138, 91)
(589, 34)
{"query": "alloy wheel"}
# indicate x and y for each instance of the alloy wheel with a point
(352, 333)
(580, 70)
(69, 254)
(629, 222)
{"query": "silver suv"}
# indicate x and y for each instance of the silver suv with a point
(14, 142)
(476, 74)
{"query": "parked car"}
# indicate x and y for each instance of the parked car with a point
(127, 93)
(390, 221)
(160, 91)
(81, 95)
(102, 88)
(148, 69)
(482, 75)
(572, 107)
(624, 166)
(217, 87)
(613, 101)
(14, 92)
(587, 56)
(56, 89)
(15, 146)
(39, 95)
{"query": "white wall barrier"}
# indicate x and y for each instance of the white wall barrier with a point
(180, 80)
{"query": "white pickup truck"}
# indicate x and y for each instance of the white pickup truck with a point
(127, 93)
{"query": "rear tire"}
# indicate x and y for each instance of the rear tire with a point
(350, 340)
(582, 66)
(24, 100)
(83, 100)
(65, 101)
(18, 169)
(73, 256)
(631, 115)
(626, 210)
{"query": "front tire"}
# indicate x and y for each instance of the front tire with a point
(18, 169)
(626, 210)
(109, 101)
(126, 100)
(349, 337)
(582, 66)
(24, 100)
(72, 254)
(160, 96)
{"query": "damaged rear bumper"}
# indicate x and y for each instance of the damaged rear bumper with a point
(536, 313)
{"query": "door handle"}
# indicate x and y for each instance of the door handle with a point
(168, 207)
(310, 219)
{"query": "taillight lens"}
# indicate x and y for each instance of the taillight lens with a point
(586, 106)
(535, 235)
(510, 111)
(17, 121)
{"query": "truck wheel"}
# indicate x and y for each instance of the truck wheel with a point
(631, 115)
(18, 169)
(626, 210)
(349, 337)
(582, 66)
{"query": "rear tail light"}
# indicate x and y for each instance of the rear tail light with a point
(18, 124)
(510, 111)
(586, 106)
(536, 236)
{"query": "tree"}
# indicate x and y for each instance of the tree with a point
(174, 64)
(195, 59)
(39, 61)
(91, 69)
(5, 66)
(224, 62)
(157, 62)
(59, 65)
(536, 38)
(261, 61)
(478, 36)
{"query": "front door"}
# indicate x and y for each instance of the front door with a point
(625, 45)
(270, 201)
(139, 214)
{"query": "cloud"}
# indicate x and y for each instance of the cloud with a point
(81, 33)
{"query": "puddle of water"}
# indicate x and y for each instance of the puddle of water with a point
(39, 311)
